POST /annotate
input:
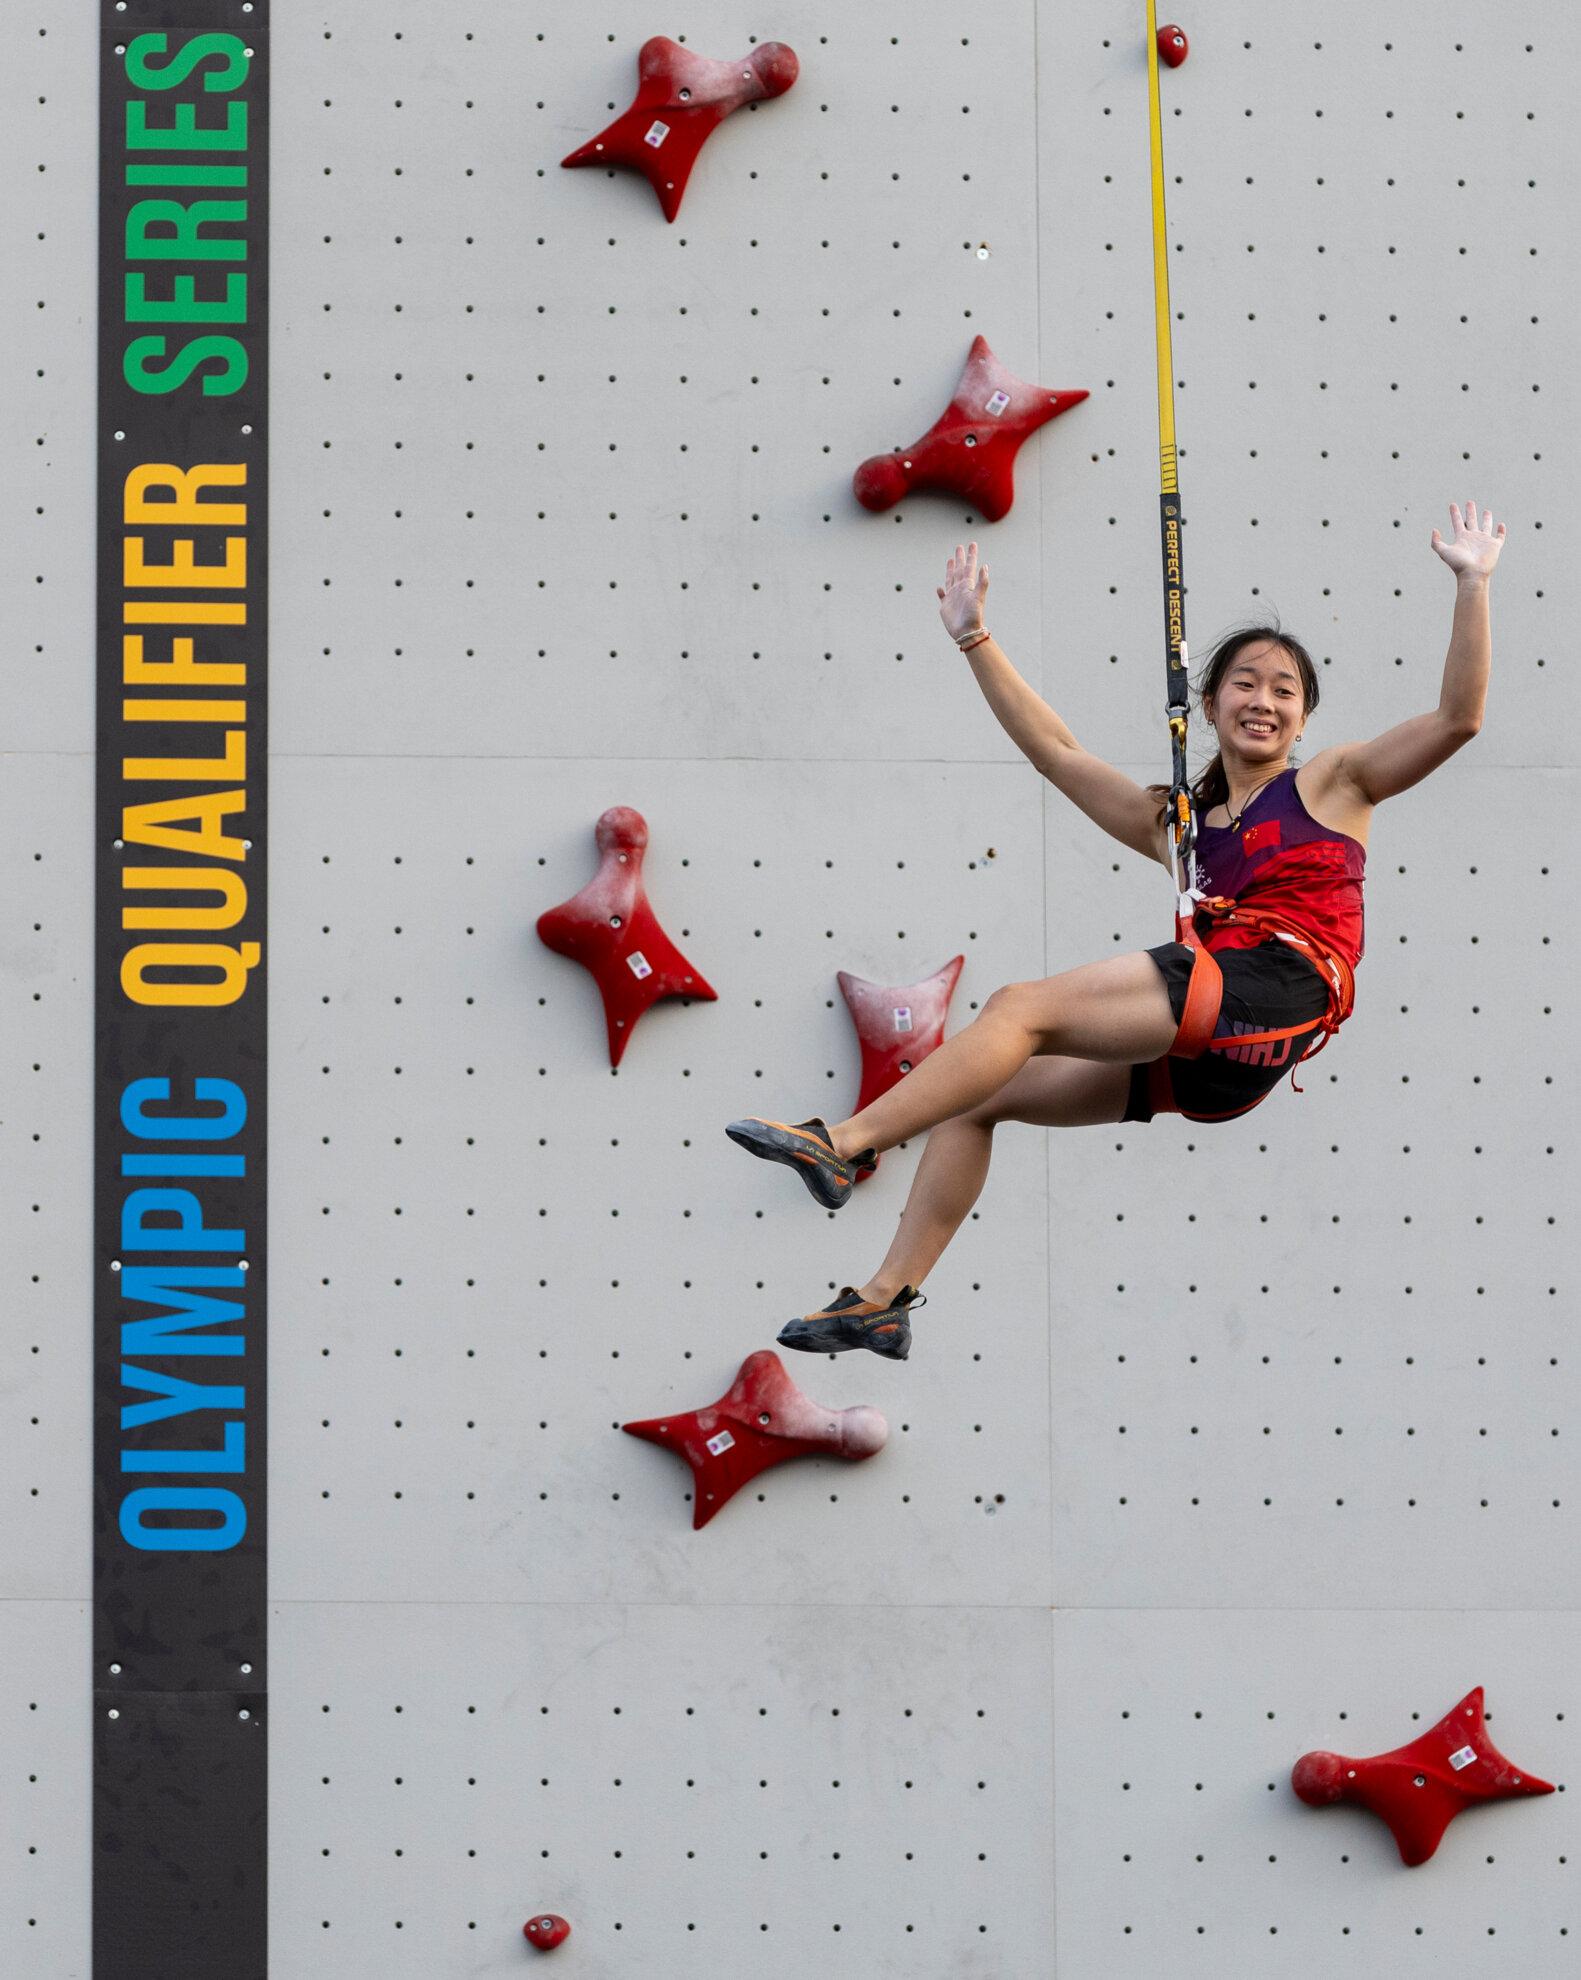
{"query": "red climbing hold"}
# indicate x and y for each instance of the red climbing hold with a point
(546, 1930)
(1173, 47)
(970, 450)
(680, 98)
(897, 1026)
(1420, 1788)
(612, 931)
(761, 1420)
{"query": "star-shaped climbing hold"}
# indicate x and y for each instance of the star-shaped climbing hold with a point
(680, 98)
(612, 931)
(1420, 1788)
(897, 1026)
(970, 450)
(761, 1420)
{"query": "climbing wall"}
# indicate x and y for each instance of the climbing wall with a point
(1215, 1445)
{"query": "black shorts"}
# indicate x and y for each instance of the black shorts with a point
(1264, 989)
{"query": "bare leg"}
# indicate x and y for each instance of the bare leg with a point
(1116, 1012)
(948, 1181)
(1053, 1092)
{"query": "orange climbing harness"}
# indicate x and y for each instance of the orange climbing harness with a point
(1205, 986)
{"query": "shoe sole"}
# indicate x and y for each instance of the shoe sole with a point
(810, 1343)
(827, 1189)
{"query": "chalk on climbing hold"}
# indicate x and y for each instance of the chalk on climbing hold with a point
(761, 1420)
(611, 930)
(681, 98)
(1419, 1789)
(546, 1930)
(897, 1026)
(970, 449)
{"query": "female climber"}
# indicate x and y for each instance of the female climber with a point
(1275, 917)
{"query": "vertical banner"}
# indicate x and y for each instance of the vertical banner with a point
(180, 1280)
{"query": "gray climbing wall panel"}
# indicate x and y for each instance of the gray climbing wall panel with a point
(1216, 1445)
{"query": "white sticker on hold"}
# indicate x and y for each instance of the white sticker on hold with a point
(903, 1018)
(997, 403)
(1463, 1758)
(717, 1446)
(656, 133)
(639, 965)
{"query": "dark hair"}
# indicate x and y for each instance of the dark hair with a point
(1212, 786)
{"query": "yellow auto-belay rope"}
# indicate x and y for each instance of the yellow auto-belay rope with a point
(1183, 824)
(1205, 986)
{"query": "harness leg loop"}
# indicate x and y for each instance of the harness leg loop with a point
(1199, 1016)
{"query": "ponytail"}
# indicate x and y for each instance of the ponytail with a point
(1211, 788)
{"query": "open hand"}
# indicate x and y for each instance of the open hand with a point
(1476, 545)
(962, 593)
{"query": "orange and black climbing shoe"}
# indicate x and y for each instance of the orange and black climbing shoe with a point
(805, 1146)
(854, 1322)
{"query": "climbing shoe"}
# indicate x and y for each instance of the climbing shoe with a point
(805, 1146)
(854, 1322)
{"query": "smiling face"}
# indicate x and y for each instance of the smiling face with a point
(1259, 706)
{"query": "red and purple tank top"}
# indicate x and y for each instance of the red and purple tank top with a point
(1281, 858)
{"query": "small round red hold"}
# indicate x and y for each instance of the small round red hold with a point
(1173, 47)
(546, 1930)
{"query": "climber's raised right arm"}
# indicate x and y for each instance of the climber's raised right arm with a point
(1124, 808)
